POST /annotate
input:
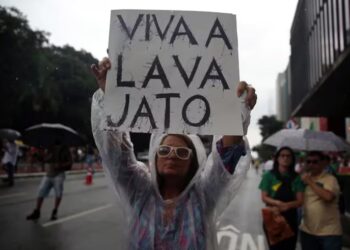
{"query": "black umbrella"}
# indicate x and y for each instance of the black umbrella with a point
(9, 134)
(47, 134)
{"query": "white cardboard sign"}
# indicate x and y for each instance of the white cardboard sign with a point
(173, 72)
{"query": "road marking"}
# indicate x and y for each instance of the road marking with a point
(74, 216)
(235, 240)
(11, 195)
(230, 228)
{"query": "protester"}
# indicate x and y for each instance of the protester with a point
(321, 226)
(9, 160)
(175, 206)
(60, 160)
(90, 159)
(282, 191)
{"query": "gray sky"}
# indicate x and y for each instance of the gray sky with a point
(263, 34)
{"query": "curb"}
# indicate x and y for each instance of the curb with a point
(40, 174)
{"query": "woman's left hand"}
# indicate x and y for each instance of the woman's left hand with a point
(251, 97)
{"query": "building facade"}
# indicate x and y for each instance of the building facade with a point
(283, 95)
(320, 62)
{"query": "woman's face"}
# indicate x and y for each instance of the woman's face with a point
(173, 158)
(284, 158)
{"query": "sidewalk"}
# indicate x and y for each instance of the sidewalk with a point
(24, 170)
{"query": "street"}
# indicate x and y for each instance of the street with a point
(88, 217)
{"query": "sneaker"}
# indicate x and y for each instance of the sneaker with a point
(54, 214)
(34, 215)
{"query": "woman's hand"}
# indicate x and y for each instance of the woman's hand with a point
(251, 97)
(100, 72)
(306, 178)
(249, 103)
(283, 206)
(275, 210)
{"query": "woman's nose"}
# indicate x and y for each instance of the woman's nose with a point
(172, 154)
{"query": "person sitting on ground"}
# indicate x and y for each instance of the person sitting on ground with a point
(175, 206)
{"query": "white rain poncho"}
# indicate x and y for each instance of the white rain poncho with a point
(195, 211)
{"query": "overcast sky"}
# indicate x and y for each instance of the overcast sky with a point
(263, 34)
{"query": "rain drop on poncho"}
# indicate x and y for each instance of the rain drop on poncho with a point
(193, 213)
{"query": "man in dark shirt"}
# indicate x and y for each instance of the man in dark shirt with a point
(59, 160)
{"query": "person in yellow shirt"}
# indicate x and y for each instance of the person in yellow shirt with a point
(320, 227)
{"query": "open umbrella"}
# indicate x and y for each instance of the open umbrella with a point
(47, 134)
(9, 134)
(308, 140)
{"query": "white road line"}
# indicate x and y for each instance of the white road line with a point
(74, 216)
(11, 195)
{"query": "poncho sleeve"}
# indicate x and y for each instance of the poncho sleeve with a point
(129, 177)
(220, 184)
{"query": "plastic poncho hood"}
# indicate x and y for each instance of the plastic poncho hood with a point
(156, 140)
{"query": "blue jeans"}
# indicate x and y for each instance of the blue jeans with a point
(55, 182)
(313, 242)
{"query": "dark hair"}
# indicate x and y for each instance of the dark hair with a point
(318, 154)
(291, 170)
(194, 160)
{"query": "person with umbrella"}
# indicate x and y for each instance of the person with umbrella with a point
(175, 205)
(59, 158)
(9, 159)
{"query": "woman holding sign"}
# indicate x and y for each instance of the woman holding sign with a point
(176, 203)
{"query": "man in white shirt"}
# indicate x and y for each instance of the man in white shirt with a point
(9, 159)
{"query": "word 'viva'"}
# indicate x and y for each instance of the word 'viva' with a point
(181, 29)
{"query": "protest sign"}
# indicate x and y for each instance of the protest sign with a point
(174, 72)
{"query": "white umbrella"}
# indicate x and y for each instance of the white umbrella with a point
(47, 134)
(308, 140)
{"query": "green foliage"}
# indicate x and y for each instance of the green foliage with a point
(41, 82)
(268, 125)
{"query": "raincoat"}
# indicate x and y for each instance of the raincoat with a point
(193, 213)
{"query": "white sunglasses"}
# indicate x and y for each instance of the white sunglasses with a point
(182, 153)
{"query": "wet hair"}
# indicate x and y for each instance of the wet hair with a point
(291, 170)
(194, 160)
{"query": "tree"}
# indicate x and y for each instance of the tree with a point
(63, 91)
(41, 82)
(268, 125)
(19, 50)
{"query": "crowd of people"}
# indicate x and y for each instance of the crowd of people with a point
(308, 199)
(174, 201)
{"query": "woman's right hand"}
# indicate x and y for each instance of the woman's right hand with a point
(275, 210)
(100, 72)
